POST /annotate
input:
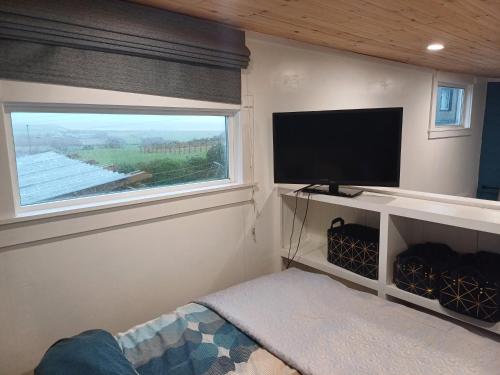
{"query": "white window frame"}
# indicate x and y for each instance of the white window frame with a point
(81, 105)
(453, 81)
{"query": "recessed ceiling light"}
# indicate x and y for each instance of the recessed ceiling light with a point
(435, 47)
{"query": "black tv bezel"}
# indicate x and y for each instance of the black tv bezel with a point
(343, 182)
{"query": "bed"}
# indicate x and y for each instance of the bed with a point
(286, 323)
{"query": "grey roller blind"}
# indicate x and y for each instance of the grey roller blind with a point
(117, 45)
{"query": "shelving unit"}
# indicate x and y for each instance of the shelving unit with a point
(315, 257)
(402, 221)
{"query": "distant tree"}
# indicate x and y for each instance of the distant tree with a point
(114, 142)
(217, 154)
(217, 160)
(148, 141)
(64, 144)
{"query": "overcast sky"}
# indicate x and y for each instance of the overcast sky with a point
(119, 122)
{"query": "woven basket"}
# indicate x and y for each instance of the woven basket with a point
(418, 269)
(354, 247)
(471, 286)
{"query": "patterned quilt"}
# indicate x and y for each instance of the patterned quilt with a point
(194, 340)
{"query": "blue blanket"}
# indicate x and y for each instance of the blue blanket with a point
(194, 340)
(93, 352)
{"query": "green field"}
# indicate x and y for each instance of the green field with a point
(132, 155)
(165, 168)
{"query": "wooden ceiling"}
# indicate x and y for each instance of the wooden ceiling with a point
(397, 30)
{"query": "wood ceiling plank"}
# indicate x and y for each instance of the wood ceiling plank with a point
(391, 29)
(429, 20)
(372, 34)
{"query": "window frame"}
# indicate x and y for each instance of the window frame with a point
(459, 130)
(118, 198)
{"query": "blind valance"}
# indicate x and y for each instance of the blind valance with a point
(117, 45)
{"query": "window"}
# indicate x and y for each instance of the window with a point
(451, 105)
(62, 156)
(449, 108)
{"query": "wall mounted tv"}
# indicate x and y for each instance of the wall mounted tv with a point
(345, 147)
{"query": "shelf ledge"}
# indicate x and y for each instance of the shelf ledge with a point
(434, 305)
(315, 256)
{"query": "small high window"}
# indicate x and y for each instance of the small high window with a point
(63, 156)
(450, 105)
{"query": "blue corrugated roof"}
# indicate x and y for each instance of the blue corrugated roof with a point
(49, 175)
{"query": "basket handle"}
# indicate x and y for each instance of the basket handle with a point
(336, 221)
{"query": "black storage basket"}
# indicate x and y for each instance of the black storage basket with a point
(418, 269)
(471, 286)
(354, 247)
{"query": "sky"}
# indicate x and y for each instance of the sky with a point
(90, 121)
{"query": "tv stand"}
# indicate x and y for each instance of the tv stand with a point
(333, 189)
(403, 221)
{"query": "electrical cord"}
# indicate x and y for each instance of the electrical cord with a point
(301, 228)
(293, 226)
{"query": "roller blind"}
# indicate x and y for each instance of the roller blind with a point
(117, 45)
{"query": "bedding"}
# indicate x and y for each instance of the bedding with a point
(321, 327)
(289, 323)
(94, 352)
(193, 340)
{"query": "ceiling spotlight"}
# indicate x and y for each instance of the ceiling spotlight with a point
(435, 47)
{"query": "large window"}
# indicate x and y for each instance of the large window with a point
(62, 156)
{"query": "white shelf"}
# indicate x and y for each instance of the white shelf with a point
(315, 256)
(366, 201)
(469, 217)
(433, 304)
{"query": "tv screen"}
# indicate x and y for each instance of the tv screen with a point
(348, 147)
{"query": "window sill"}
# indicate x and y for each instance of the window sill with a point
(120, 203)
(58, 222)
(449, 132)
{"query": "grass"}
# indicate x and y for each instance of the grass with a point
(132, 155)
(164, 168)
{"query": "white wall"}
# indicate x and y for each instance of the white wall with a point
(118, 277)
(290, 76)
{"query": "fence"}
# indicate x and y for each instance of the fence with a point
(178, 148)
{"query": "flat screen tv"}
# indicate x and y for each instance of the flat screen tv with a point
(345, 147)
